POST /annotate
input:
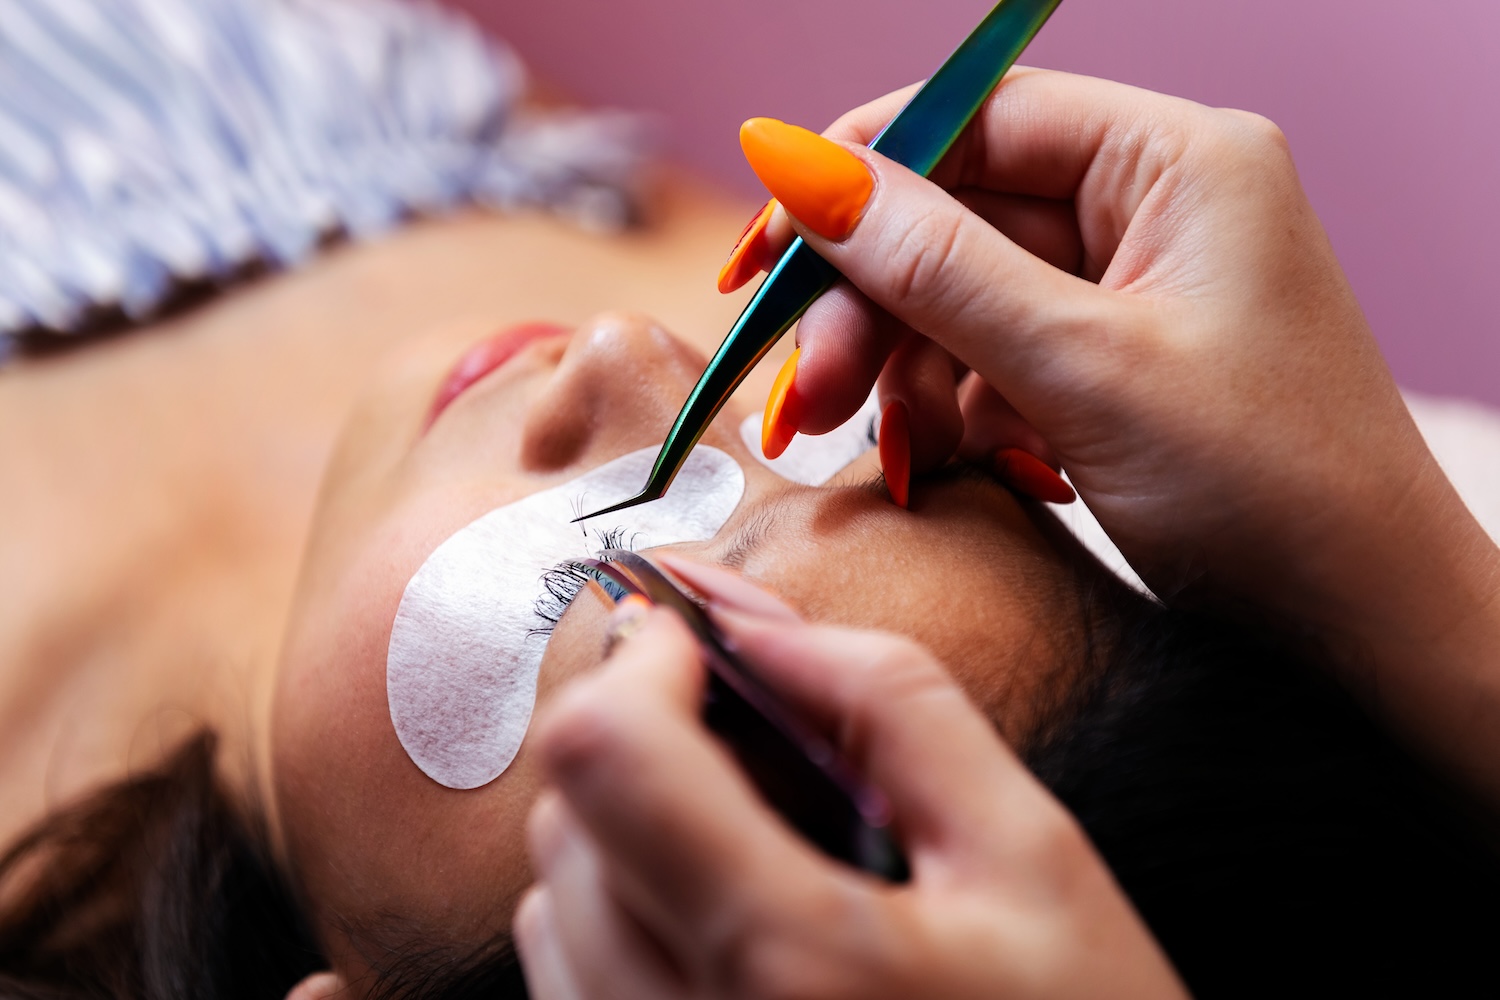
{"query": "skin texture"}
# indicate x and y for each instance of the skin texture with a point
(386, 856)
(158, 486)
(1136, 286)
(1177, 295)
(646, 892)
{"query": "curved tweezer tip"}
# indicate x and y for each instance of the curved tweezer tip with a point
(919, 136)
(645, 496)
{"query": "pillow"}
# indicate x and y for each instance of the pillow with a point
(149, 145)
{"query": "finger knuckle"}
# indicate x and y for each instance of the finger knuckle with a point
(743, 958)
(900, 665)
(783, 967)
(1055, 848)
(1256, 134)
(766, 969)
(1128, 345)
(924, 250)
(848, 126)
(894, 671)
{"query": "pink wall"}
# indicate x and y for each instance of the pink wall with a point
(1392, 107)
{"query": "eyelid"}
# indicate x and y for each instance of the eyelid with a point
(562, 584)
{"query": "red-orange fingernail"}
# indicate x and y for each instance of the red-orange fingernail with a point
(1025, 473)
(750, 255)
(895, 452)
(783, 410)
(816, 179)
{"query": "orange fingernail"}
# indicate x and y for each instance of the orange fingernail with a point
(750, 254)
(895, 452)
(626, 620)
(1025, 473)
(783, 410)
(818, 181)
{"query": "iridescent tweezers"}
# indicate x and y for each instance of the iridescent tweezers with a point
(801, 774)
(918, 137)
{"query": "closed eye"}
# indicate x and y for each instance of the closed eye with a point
(562, 583)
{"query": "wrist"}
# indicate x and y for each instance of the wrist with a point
(1408, 621)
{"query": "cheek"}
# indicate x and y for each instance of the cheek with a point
(331, 735)
(368, 834)
(465, 648)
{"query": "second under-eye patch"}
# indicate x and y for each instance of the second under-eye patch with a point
(813, 460)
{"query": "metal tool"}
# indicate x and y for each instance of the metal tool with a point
(918, 138)
(802, 775)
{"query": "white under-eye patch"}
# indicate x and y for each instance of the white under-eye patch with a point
(461, 670)
(812, 461)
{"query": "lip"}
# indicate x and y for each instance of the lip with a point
(485, 357)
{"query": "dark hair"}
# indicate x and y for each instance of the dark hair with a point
(1273, 839)
(156, 888)
(153, 887)
(1271, 836)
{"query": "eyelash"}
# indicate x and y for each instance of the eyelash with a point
(562, 584)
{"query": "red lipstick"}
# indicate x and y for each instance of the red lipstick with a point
(486, 356)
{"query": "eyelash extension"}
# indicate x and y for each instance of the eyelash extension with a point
(614, 538)
(872, 432)
(562, 584)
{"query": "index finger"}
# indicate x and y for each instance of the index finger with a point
(1041, 130)
(1052, 135)
(953, 783)
(692, 849)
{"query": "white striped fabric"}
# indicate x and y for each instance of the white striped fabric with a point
(148, 144)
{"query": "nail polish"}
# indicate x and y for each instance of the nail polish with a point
(816, 180)
(895, 452)
(783, 410)
(1027, 474)
(750, 255)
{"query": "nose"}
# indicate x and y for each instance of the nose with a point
(617, 388)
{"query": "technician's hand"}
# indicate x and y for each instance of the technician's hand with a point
(1146, 297)
(662, 874)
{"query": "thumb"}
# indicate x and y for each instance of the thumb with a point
(924, 257)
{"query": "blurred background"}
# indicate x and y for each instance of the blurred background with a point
(1392, 108)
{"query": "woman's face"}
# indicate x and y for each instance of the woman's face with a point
(383, 852)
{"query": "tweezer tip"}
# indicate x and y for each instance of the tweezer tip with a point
(640, 498)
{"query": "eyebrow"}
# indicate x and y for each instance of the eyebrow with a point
(757, 526)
